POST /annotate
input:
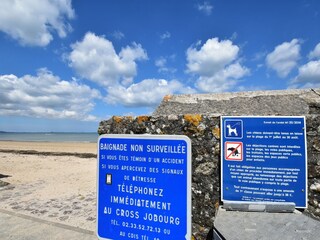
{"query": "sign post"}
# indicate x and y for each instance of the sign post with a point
(144, 187)
(264, 159)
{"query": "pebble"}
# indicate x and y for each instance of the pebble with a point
(315, 187)
(63, 218)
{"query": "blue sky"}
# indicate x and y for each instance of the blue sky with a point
(65, 65)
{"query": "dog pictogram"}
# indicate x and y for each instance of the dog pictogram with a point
(233, 151)
(233, 128)
(232, 131)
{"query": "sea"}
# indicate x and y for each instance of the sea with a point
(49, 137)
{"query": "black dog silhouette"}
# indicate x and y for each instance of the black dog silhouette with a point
(234, 151)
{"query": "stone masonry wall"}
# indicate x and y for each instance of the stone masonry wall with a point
(204, 132)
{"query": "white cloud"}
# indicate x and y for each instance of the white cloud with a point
(161, 63)
(223, 80)
(315, 53)
(118, 35)
(206, 8)
(212, 56)
(234, 36)
(148, 92)
(46, 95)
(217, 64)
(95, 59)
(32, 22)
(259, 56)
(165, 35)
(284, 58)
(308, 77)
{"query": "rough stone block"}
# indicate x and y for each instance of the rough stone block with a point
(198, 117)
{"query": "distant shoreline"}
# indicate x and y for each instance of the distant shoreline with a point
(81, 149)
(39, 141)
(86, 137)
(33, 152)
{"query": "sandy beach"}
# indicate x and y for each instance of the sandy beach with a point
(58, 188)
(69, 147)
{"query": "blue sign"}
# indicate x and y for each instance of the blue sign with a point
(144, 187)
(264, 159)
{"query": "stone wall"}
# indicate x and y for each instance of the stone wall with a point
(204, 131)
(284, 102)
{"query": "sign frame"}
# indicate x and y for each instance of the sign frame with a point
(188, 174)
(223, 141)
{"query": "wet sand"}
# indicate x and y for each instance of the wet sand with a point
(55, 188)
